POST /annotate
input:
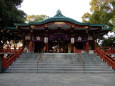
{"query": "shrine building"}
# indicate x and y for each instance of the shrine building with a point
(59, 34)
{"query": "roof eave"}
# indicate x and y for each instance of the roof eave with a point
(58, 19)
(24, 24)
(10, 28)
(106, 29)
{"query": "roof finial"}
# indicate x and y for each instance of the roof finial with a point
(58, 13)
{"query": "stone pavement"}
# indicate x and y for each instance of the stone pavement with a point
(56, 79)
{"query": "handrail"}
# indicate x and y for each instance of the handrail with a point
(110, 50)
(8, 50)
(79, 55)
(40, 56)
(11, 58)
(106, 57)
(81, 59)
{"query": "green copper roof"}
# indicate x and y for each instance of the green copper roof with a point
(58, 13)
(106, 29)
(58, 17)
(97, 25)
(24, 24)
(11, 28)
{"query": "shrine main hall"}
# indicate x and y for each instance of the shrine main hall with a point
(59, 34)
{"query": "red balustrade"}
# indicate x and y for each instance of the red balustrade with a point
(110, 50)
(105, 55)
(9, 50)
(6, 62)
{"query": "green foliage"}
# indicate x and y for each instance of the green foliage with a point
(108, 42)
(100, 18)
(94, 18)
(35, 18)
(103, 12)
(85, 17)
(9, 12)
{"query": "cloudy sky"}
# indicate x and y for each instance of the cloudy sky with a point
(70, 8)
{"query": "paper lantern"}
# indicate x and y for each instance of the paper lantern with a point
(72, 40)
(45, 39)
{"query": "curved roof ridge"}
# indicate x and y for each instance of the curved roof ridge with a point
(59, 17)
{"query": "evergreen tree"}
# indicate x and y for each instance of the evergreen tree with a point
(9, 12)
(102, 12)
(35, 18)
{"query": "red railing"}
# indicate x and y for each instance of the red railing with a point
(110, 50)
(105, 55)
(7, 61)
(9, 50)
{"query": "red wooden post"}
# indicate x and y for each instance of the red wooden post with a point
(31, 46)
(94, 46)
(87, 46)
(71, 47)
(4, 63)
(46, 47)
(113, 67)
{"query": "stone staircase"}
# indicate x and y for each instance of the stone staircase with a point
(59, 63)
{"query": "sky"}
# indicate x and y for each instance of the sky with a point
(69, 8)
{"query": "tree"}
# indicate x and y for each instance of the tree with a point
(108, 42)
(9, 12)
(35, 18)
(102, 12)
(85, 17)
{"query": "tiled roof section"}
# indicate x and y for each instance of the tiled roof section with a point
(11, 28)
(59, 17)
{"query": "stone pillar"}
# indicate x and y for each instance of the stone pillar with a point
(87, 46)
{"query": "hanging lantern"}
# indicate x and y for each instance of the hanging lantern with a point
(72, 40)
(45, 39)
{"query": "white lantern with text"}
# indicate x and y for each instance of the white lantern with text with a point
(72, 40)
(45, 39)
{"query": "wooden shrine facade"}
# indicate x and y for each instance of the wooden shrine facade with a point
(60, 34)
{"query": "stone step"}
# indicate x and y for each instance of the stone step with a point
(33, 63)
(83, 68)
(58, 70)
(102, 67)
(59, 63)
(41, 71)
